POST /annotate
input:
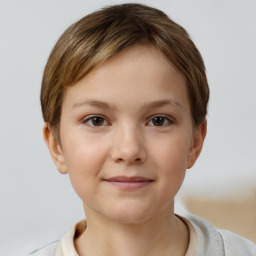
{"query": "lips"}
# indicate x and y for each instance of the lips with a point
(129, 183)
(129, 179)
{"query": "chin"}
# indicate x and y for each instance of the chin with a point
(130, 213)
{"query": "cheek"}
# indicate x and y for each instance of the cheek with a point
(171, 162)
(84, 159)
(84, 152)
(172, 153)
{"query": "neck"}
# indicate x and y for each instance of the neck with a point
(164, 234)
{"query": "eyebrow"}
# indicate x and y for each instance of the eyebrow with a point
(162, 103)
(94, 103)
(150, 105)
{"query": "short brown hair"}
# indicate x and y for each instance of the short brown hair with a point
(102, 34)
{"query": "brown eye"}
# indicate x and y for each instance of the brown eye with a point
(97, 121)
(158, 121)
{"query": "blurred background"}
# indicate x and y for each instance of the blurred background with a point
(38, 204)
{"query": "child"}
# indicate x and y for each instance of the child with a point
(124, 98)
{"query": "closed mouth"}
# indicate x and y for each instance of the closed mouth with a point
(128, 179)
(129, 183)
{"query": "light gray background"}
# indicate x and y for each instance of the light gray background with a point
(37, 203)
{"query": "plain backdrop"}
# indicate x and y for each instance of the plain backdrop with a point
(37, 204)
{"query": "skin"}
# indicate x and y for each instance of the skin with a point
(143, 128)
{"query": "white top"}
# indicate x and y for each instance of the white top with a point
(204, 240)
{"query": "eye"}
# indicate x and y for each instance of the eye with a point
(96, 121)
(160, 121)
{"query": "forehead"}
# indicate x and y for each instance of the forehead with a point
(146, 55)
(140, 70)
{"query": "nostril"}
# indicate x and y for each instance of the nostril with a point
(119, 160)
(122, 160)
(127, 151)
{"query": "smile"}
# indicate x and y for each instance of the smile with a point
(129, 183)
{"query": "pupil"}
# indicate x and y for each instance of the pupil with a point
(158, 121)
(97, 121)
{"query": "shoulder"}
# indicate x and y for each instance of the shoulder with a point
(219, 242)
(65, 246)
(47, 250)
(209, 240)
(237, 245)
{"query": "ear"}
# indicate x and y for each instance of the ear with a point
(55, 149)
(197, 143)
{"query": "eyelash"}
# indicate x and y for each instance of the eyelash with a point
(167, 121)
(90, 119)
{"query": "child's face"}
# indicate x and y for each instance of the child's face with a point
(127, 136)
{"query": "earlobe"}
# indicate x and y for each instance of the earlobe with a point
(197, 143)
(54, 148)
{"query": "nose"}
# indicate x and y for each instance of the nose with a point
(128, 146)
